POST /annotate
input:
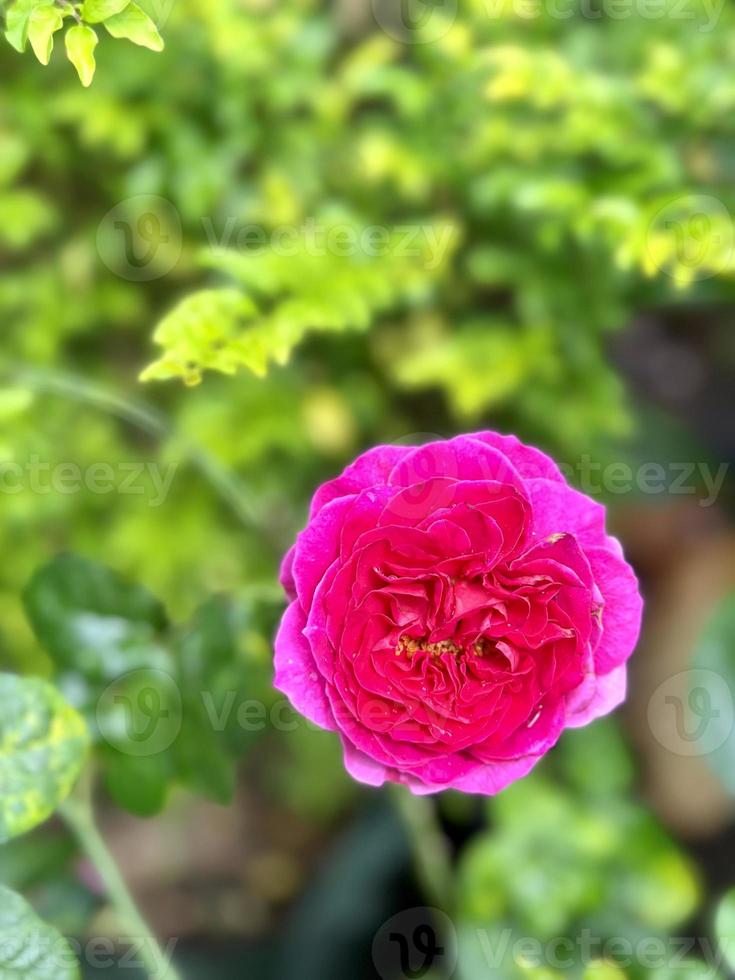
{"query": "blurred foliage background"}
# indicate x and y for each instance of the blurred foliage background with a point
(340, 224)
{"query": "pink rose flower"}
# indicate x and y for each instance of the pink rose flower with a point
(454, 607)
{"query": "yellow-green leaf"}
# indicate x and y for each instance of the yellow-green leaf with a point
(134, 24)
(43, 744)
(96, 11)
(17, 19)
(44, 21)
(81, 41)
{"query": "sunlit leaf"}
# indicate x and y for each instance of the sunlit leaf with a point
(17, 21)
(96, 11)
(45, 20)
(135, 25)
(81, 41)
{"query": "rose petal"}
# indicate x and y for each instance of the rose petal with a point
(484, 779)
(527, 460)
(462, 458)
(369, 470)
(622, 609)
(609, 692)
(296, 674)
(559, 509)
(361, 767)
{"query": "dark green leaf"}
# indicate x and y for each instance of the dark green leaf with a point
(94, 624)
(35, 857)
(138, 784)
(212, 687)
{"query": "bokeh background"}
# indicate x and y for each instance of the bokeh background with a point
(313, 227)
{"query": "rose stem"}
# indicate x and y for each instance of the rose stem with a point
(429, 845)
(78, 812)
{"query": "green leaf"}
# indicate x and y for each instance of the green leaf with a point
(139, 718)
(725, 927)
(211, 738)
(587, 856)
(43, 744)
(25, 216)
(17, 20)
(203, 332)
(708, 708)
(138, 784)
(45, 20)
(688, 969)
(135, 25)
(163, 704)
(34, 858)
(450, 363)
(96, 11)
(603, 970)
(596, 760)
(94, 624)
(29, 948)
(81, 41)
(285, 297)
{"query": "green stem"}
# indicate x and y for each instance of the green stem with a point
(78, 813)
(145, 418)
(429, 846)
